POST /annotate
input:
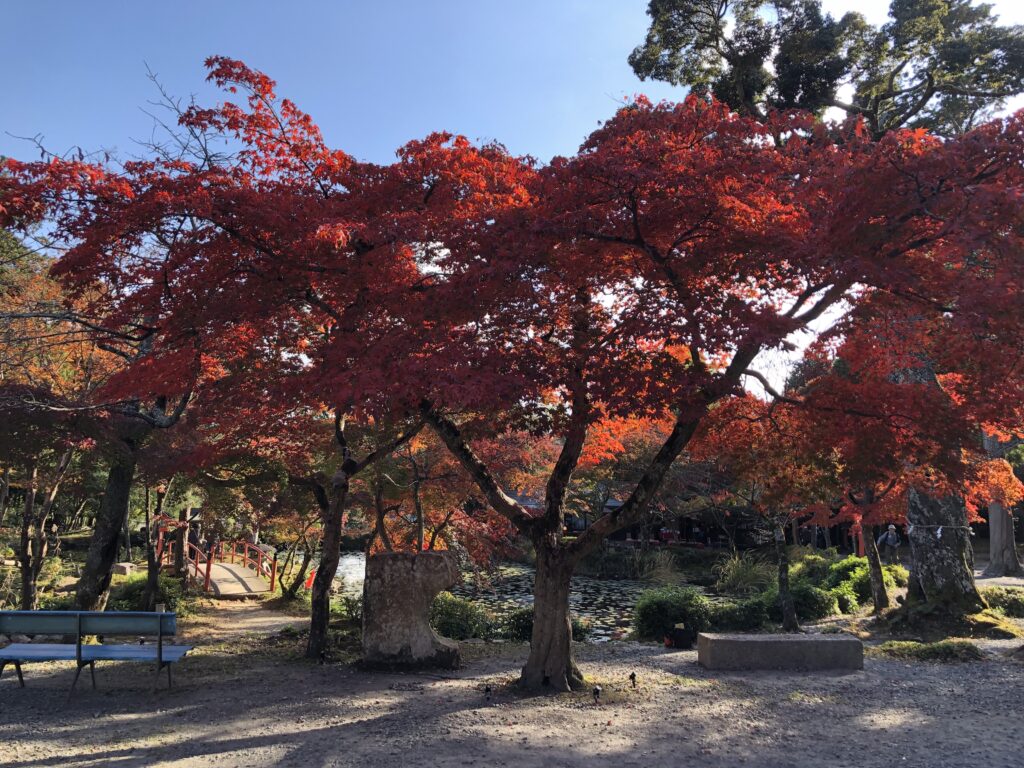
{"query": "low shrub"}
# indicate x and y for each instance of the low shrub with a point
(640, 564)
(743, 616)
(862, 582)
(129, 594)
(518, 626)
(743, 574)
(64, 601)
(659, 610)
(846, 597)
(809, 566)
(1008, 601)
(943, 651)
(900, 575)
(811, 603)
(844, 570)
(351, 607)
(460, 619)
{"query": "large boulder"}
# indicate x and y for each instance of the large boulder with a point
(397, 595)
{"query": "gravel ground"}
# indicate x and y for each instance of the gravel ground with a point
(244, 700)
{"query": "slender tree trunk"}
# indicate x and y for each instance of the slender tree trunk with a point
(550, 665)
(153, 558)
(1003, 559)
(293, 589)
(5, 492)
(879, 594)
(330, 556)
(790, 623)
(942, 572)
(95, 579)
(28, 580)
(181, 542)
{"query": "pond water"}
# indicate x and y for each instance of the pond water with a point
(607, 603)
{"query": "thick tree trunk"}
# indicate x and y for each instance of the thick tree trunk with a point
(879, 594)
(790, 622)
(942, 572)
(550, 665)
(330, 556)
(1003, 559)
(95, 579)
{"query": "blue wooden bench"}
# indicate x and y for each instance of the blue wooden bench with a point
(82, 624)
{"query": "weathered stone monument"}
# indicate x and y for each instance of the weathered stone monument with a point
(789, 651)
(397, 595)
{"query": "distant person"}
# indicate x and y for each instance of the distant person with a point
(891, 541)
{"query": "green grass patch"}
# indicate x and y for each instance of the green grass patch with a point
(943, 651)
(1009, 601)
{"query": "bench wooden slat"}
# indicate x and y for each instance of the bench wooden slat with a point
(60, 652)
(38, 622)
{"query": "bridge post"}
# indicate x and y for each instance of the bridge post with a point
(209, 566)
(273, 573)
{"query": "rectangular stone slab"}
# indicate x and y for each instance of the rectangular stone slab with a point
(809, 652)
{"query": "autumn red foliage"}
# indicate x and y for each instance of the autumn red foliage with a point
(481, 294)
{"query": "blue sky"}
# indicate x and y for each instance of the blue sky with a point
(537, 75)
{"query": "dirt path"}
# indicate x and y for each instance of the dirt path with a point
(220, 620)
(247, 701)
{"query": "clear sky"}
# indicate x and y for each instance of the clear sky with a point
(537, 75)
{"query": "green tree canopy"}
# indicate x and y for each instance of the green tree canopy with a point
(940, 64)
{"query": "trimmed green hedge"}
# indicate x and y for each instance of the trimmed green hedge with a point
(658, 611)
(744, 616)
(461, 619)
(518, 625)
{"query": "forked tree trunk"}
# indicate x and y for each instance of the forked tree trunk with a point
(550, 665)
(1003, 559)
(790, 622)
(942, 572)
(330, 556)
(95, 579)
(879, 594)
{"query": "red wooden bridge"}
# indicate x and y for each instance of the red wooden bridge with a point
(229, 569)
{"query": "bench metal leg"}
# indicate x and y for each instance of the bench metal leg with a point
(170, 679)
(78, 671)
(17, 670)
(92, 673)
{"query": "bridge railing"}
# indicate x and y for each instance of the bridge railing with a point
(199, 561)
(250, 556)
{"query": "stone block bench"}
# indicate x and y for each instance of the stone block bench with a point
(796, 651)
(80, 625)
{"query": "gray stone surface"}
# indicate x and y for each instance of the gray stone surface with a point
(809, 652)
(123, 569)
(397, 595)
